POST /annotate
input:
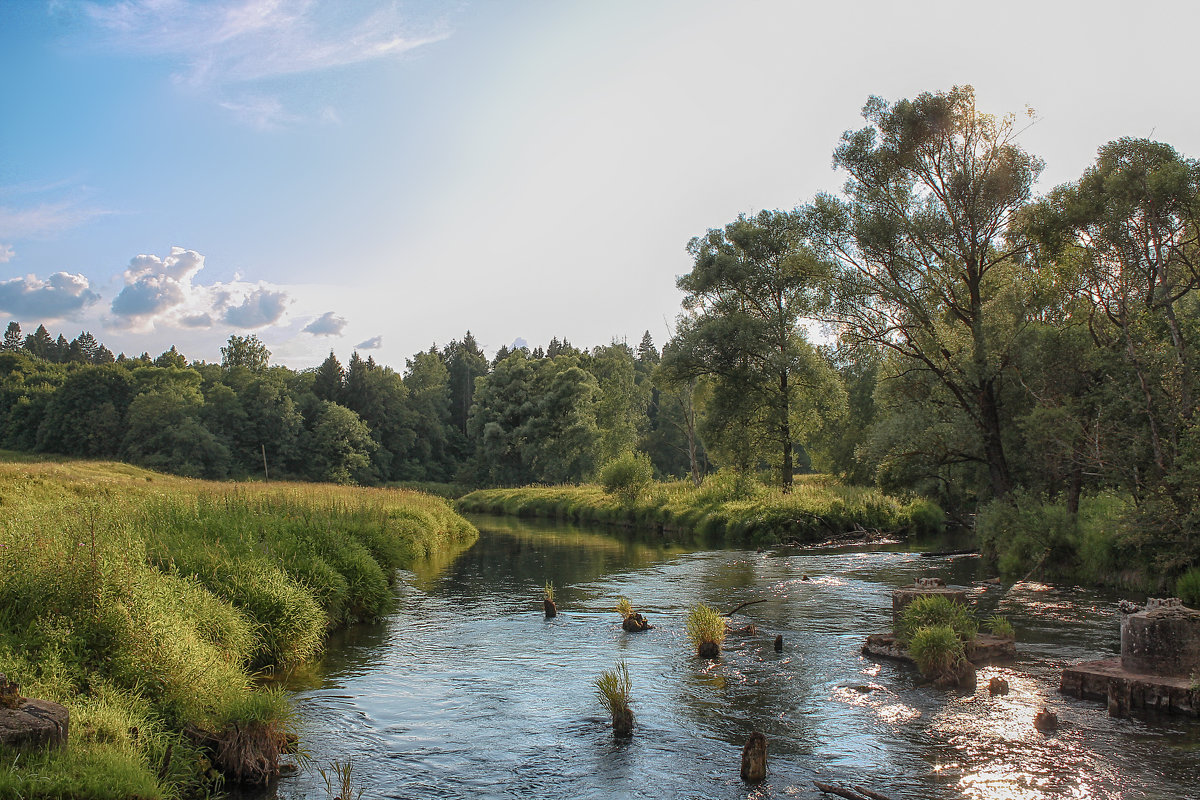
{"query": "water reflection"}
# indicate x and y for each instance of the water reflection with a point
(468, 691)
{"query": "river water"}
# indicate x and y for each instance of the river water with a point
(468, 691)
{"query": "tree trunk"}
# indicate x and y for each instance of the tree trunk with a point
(785, 434)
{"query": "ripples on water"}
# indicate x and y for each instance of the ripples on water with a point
(467, 691)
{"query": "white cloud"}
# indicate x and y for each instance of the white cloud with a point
(60, 295)
(259, 308)
(163, 291)
(6, 253)
(328, 324)
(230, 42)
(374, 343)
(44, 218)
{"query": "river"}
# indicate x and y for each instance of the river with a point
(468, 691)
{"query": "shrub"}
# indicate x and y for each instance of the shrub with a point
(997, 625)
(936, 610)
(705, 624)
(937, 649)
(1187, 588)
(627, 476)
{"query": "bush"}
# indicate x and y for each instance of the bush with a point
(937, 649)
(936, 611)
(1187, 588)
(627, 476)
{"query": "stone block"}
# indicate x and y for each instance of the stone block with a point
(1162, 640)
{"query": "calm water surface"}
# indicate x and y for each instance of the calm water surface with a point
(468, 691)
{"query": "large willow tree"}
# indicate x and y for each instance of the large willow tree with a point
(924, 266)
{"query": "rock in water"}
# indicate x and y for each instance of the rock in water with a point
(998, 686)
(754, 758)
(35, 723)
(1045, 720)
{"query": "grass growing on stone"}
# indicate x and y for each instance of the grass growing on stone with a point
(936, 611)
(937, 649)
(725, 508)
(145, 603)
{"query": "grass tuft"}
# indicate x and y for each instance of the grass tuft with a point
(613, 688)
(705, 624)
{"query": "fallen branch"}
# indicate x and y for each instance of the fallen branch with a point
(839, 791)
(743, 605)
(968, 552)
(857, 793)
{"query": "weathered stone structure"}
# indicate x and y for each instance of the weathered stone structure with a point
(1160, 654)
(923, 587)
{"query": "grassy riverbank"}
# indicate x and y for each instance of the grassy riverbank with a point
(720, 510)
(145, 604)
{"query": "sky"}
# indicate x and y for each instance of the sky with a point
(340, 175)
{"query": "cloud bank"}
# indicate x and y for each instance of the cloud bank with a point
(60, 295)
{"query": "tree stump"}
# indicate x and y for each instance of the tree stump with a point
(754, 758)
(998, 686)
(34, 723)
(709, 650)
(779, 643)
(636, 623)
(549, 607)
(623, 723)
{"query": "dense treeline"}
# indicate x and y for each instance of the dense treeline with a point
(1027, 362)
(546, 415)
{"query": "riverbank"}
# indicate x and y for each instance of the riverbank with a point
(146, 604)
(721, 512)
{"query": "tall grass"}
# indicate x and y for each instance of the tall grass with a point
(722, 509)
(936, 610)
(145, 603)
(705, 624)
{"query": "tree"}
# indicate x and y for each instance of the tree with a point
(924, 268)
(751, 285)
(339, 446)
(171, 358)
(329, 379)
(245, 351)
(465, 362)
(40, 344)
(1133, 223)
(12, 338)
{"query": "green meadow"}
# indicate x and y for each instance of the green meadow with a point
(156, 608)
(725, 509)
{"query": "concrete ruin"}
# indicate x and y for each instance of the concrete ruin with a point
(985, 649)
(1159, 665)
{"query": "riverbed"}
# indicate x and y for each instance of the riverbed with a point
(468, 691)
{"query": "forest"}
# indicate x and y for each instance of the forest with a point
(935, 329)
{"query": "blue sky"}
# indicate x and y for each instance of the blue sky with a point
(380, 175)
